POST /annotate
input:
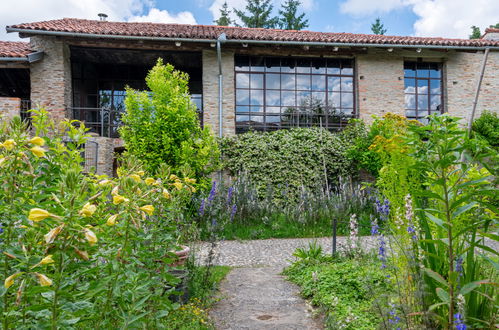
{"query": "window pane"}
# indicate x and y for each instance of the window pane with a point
(346, 84)
(410, 85)
(423, 70)
(319, 83)
(436, 101)
(288, 81)
(242, 63)
(319, 98)
(256, 110)
(303, 82)
(288, 65)
(410, 113)
(256, 97)
(273, 109)
(273, 98)
(273, 119)
(422, 86)
(435, 71)
(288, 98)
(257, 64)
(410, 101)
(333, 66)
(273, 64)
(347, 67)
(334, 99)
(242, 80)
(257, 119)
(319, 65)
(303, 65)
(303, 98)
(241, 108)
(423, 103)
(435, 86)
(242, 96)
(409, 69)
(242, 118)
(273, 81)
(347, 100)
(333, 84)
(257, 81)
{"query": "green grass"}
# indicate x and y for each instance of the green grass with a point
(281, 226)
(203, 283)
(349, 291)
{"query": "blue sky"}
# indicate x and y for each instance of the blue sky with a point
(440, 18)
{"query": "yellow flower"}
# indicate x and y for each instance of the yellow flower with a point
(166, 194)
(118, 199)
(38, 151)
(10, 280)
(9, 144)
(47, 260)
(149, 209)
(37, 141)
(173, 177)
(178, 185)
(88, 210)
(190, 181)
(90, 236)
(150, 181)
(43, 280)
(135, 177)
(37, 214)
(111, 221)
(141, 173)
(51, 235)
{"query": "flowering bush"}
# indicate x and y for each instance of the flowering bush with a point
(80, 250)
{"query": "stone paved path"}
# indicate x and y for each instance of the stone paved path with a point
(254, 295)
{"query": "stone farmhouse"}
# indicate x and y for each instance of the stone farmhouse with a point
(241, 78)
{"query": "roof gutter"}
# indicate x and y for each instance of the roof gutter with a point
(32, 57)
(222, 38)
(13, 59)
(263, 42)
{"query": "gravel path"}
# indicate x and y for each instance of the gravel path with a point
(254, 295)
(265, 253)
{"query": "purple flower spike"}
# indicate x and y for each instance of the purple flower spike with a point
(201, 207)
(459, 322)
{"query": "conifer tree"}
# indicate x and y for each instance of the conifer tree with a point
(475, 32)
(258, 14)
(224, 19)
(288, 17)
(377, 27)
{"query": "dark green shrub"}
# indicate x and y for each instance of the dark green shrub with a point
(487, 127)
(161, 126)
(287, 160)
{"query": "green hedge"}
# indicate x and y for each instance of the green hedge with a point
(287, 160)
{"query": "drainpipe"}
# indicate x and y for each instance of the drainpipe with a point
(220, 39)
(477, 92)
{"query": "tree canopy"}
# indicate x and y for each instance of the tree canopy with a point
(288, 17)
(224, 19)
(257, 14)
(377, 27)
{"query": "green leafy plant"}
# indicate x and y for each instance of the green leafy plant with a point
(161, 126)
(487, 127)
(313, 252)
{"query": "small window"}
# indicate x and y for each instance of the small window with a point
(423, 89)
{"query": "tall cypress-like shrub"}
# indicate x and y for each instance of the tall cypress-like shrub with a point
(161, 126)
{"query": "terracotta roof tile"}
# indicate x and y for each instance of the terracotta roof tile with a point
(213, 31)
(14, 49)
(491, 30)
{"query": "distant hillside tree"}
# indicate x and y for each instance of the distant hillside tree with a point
(258, 14)
(475, 32)
(377, 27)
(288, 17)
(224, 19)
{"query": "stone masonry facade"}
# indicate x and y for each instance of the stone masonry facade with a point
(379, 82)
(9, 107)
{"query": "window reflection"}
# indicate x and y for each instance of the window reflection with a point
(423, 89)
(273, 92)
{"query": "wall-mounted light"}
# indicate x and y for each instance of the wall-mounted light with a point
(178, 43)
(212, 45)
(245, 45)
(418, 50)
(306, 47)
(390, 50)
(335, 49)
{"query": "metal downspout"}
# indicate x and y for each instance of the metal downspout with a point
(220, 39)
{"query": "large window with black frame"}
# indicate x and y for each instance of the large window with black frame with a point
(423, 89)
(284, 92)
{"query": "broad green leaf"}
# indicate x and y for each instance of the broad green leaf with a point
(463, 209)
(467, 288)
(434, 219)
(436, 276)
(443, 295)
(432, 307)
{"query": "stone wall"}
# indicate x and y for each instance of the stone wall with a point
(51, 77)
(9, 107)
(99, 155)
(210, 91)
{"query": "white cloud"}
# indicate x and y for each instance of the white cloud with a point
(442, 18)
(22, 11)
(367, 7)
(163, 16)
